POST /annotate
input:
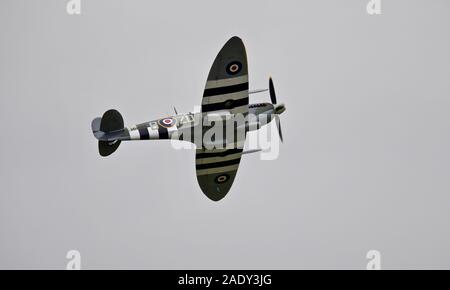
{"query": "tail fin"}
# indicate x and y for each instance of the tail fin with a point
(111, 122)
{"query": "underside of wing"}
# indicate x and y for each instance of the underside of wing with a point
(226, 94)
(227, 84)
(216, 170)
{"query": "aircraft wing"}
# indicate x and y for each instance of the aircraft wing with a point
(226, 91)
(216, 170)
(227, 84)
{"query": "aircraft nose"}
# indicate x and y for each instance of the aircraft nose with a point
(280, 109)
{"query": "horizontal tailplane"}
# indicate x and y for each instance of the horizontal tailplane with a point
(106, 129)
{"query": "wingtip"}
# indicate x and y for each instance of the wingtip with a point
(235, 39)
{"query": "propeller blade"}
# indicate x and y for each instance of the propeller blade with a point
(273, 97)
(279, 128)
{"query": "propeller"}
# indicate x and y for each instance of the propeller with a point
(273, 98)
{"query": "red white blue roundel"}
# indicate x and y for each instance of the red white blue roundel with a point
(222, 178)
(167, 122)
(234, 67)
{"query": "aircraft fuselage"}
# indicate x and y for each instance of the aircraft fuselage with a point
(189, 126)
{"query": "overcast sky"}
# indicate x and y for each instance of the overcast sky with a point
(365, 164)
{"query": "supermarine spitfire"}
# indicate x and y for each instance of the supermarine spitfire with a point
(225, 102)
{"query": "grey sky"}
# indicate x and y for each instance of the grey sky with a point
(365, 164)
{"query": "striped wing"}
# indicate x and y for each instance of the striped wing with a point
(216, 170)
(227, 84)
(226, 90)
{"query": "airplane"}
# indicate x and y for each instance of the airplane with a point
(225, 100)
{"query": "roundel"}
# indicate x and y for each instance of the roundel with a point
(234, 67)
(167, 122)
(222, 178)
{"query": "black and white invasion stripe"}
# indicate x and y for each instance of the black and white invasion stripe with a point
(217, 160)
(226, 94)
